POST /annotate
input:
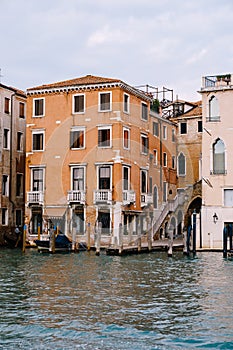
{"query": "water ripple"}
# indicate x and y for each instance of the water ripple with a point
(81, 301)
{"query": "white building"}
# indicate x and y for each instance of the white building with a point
(217, 166)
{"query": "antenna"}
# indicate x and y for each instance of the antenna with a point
(1, 76)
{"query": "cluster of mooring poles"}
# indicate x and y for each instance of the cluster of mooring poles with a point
(189, 239)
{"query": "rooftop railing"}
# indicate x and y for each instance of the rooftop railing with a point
(216, 80)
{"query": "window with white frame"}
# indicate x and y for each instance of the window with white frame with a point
(77, 138)
(5, 185)
(104, 136)
(126, 138)
(213, 109)
(164, 132)
(78, 178)
(104, 175)
(79, 103)
(38, 140)
(105, 101)
(144, 109)
(228, 197)
(219, 157)
(4, 216)
(126, 178)
(37, 177)
(126, 103)
(38, 107)
(181, 164)
(143, 181)
(6, 138)
(144, 144)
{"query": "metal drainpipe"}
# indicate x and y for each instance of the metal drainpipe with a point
(11, 156)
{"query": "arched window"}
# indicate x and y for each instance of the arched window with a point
(155, 198)
(219, 157)
(181, 164)
(213, 109)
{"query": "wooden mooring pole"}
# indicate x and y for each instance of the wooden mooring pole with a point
(51, 241)
(98, 237)
(24, 238)
(88, 236)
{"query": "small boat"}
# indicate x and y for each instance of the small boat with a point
(62, 244)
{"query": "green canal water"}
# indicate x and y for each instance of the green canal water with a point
(84, 301)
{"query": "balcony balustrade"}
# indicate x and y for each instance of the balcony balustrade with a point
(146, 199)
(35, 197)
(76, 197)
(102, 196)
(129, 197)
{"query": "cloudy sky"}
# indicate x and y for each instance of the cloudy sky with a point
(171, 43)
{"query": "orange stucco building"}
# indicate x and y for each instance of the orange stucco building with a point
(96, 153)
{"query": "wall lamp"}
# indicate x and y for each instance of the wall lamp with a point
(215, 218)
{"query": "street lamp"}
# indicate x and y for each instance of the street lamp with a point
(215, 218)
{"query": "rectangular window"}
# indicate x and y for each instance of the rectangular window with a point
(164, 159)
(38, 107)
(143, 181)
(19, 185)
(126, 103)
(38, 141)
(199, 126)
(77, 139)
(164, 132)
(150, 184)
(173, 162)
(37, 179)
(126, 138)
(18, 217)
(144, 144)
(78, 179)
(126, 185)
(7, 105)
(104, 178)
(183, 128)
(155, 157)
(105, 102)
(164, 191)
(5, 185)
(173, 135)
(19, 141)
(21, 110)
(155, 129)
(104, 137)
(4, 217)
(228, 198)
(6, 140)
(79, 104)
(144, 111)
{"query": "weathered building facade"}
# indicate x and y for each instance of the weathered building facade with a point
(96, 153)
(217, 167)
(12, 158)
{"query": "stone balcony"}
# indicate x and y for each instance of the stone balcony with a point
(78, 197)
(35, 198)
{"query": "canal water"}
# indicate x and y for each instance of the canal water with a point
(84, 301)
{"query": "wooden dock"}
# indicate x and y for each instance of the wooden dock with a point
(159, 245)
